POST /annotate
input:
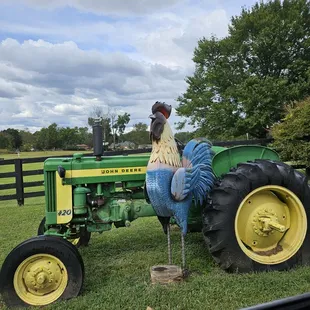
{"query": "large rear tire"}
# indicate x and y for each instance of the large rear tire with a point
(82, 240)
(257, 218)
(40, 271)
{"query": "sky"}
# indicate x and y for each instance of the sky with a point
(60, 59)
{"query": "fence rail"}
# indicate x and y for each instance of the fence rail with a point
(19, 173)
(19, 184)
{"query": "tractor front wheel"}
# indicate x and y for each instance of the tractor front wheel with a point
(257, 218)
(40, 271)
(82, 240)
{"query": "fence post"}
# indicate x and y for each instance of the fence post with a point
(19, 181)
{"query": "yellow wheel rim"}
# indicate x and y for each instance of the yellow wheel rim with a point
(270, 224)
(40, 279)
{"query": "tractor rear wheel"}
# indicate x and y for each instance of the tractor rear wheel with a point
(257, 218)
(82, 240)
(40, 271)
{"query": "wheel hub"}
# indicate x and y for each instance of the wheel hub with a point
(40, 276)
(270, 224)
(266, 222)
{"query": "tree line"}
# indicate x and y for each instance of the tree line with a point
(48, 138)
(67, 138)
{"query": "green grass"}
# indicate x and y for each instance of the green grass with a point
(117, 265)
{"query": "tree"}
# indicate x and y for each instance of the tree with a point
(69, 137)
(184, 136)
(61, 137)
(140, 127)
(139, 134)
(243, 81)
(14, 137)
(27, 136)
(48, 138)
(292, 134)
(113, 116)
(40, 139)
(84, 136)
(119, 124)
(103, 114)
(122, 121)
(28, 140)
(53, 138)
(4, 140)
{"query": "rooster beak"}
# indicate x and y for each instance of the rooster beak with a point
(152, 116)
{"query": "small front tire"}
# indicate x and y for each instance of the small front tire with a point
(40, 271)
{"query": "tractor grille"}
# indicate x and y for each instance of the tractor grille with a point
(51, 191)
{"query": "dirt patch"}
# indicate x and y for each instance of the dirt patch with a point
(273, 251)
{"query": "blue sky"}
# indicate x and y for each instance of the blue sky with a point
(61, 58)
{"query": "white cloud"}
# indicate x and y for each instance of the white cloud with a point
(172, 43)
(118, 7)
(61, 83)
(105, 7)
(25, 113)
(11, 90)
(72, 67)
(50, 59)
(167, 38)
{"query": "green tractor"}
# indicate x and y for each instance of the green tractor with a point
(255, 218)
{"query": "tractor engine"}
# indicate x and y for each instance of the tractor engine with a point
(90, 193)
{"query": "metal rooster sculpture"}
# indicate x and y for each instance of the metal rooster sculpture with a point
(171, 183)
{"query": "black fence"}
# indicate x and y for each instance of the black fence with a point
(19, 184)
(263, 142)
(19, 173)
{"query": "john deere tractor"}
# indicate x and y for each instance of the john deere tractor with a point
(255, 218)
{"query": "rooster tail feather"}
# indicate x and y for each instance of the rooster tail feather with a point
(197, 151)
(198, 155)
(196, 176)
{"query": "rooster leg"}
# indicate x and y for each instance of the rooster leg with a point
(183, 251)
(165, 222)
(169, 245)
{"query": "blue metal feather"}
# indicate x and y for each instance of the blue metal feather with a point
(171, 192)
(191, 152)
(196, 177)
(179, 185)
(159, 191)
(161, 199)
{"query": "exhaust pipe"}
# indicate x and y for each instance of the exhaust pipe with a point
(97, 140)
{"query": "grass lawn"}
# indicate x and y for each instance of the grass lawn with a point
(117, 267)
